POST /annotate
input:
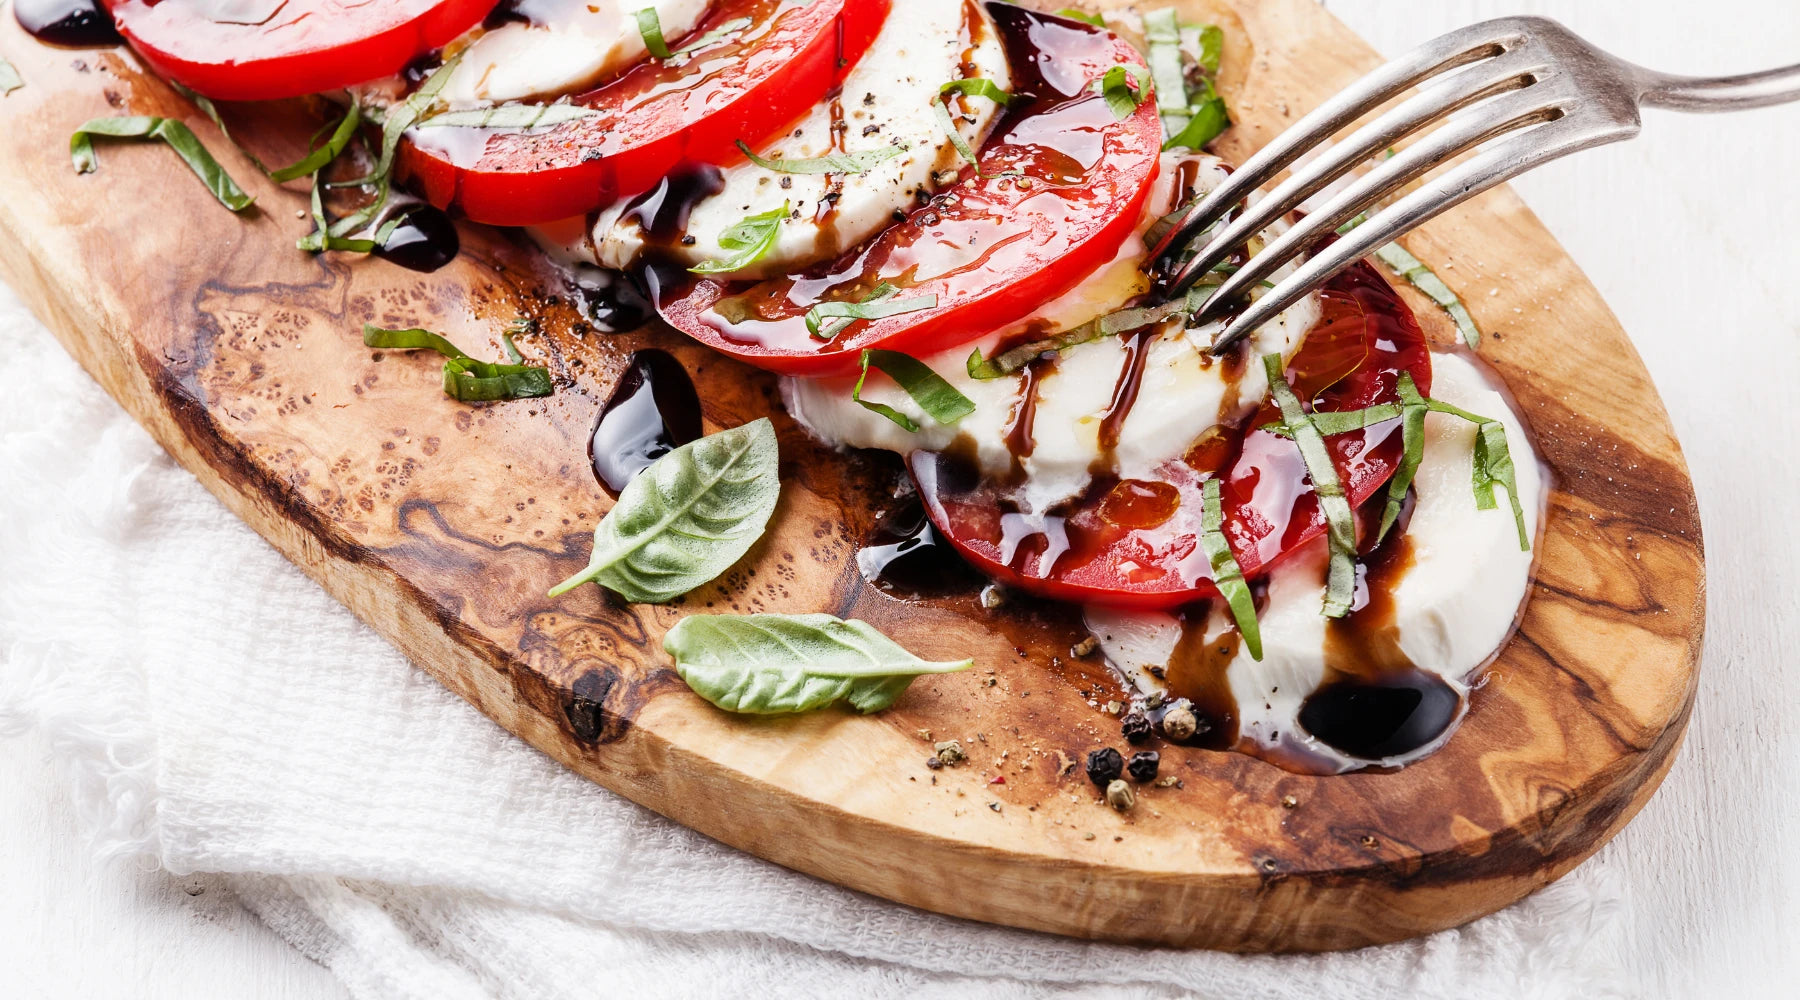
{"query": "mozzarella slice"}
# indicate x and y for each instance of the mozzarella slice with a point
(563, 47)
(885, 103)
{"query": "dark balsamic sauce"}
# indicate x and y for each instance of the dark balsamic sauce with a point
(609, 300)
(653, 410)
(75, 23)
(905, 557)
(662, 212)
(425, 240)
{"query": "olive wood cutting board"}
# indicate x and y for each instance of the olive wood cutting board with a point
(443, 525)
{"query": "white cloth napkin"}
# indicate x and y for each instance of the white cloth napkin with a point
(220, 713)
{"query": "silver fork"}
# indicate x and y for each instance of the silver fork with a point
(1529, 82)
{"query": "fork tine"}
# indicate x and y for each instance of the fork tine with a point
(1459, 48)
(1505, 114)
(1490, 168)
(1508, 72)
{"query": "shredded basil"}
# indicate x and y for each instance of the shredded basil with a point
(650, 26)
(972, 87)
(1123, 94)
(322, 238)
(1492, 465)
(179, 137)
(321, 157)
(1077, 14)
(1110, 325)
(833, 163)
(938, 398)
(1209, 119)
(465, 378)
(1162, 33)
(395, 121)
(1227, 575)
(211, 110)
(749, 241)
(1193, 113)
(1212, 48)
(524, 116)
(1413, 408)
(718, 34)
(1340, 588)
(878, 304)
(10, 80)
(1426, 280)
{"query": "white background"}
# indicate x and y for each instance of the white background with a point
(1692, 233)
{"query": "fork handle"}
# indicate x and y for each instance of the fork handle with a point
(1722, 93)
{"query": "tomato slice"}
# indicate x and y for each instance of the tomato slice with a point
(1135, 544)
(274, 50)
(1061, 185)
(744, 85)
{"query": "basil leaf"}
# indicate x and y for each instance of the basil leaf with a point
(650, 26)
(878, 304)
(750, 240)
(1228, 576)
(1212, 48)
(211, 110)
(1340, 590)
(1412, 438)
(320, 158)
(1109, 325)
(465, 378)
(1162, 34)
(718, 34)
(525, 116)
(939, 399)
(1426, 280)
(833, 163)
(782, 664)
(178, 136)
(972, 87)
(687, 518)
(1077, 14)
(395, 121)
(1122, 93)
(1209, 120)
(10, 80)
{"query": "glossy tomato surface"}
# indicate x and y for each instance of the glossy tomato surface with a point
(1135, 544)
(1062, 183)
(272, 49)
(743, 85)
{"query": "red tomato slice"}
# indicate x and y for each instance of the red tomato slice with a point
(292, 48)
(1136, 544)
(656, 117)
(992, 248)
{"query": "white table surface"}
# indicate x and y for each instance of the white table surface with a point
(1693, 235)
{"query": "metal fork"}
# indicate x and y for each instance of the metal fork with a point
(1529, 82)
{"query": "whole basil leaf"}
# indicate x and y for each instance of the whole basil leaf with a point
(687, 518)
(779, 664)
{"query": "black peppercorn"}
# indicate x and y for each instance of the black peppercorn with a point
(1104, 767)
(1135, 728)
(1143, 766)
(933, 762)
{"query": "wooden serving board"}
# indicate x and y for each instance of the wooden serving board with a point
(443, 525)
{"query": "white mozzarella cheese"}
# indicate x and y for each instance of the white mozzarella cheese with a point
(1453, 607)
(885, 102)
(563, 47)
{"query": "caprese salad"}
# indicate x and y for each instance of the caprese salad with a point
(933, 219)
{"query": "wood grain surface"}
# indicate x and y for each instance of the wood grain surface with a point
(443, 525)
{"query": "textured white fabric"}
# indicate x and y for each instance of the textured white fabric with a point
(221, 714)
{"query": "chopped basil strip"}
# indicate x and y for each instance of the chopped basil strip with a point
(749, 241)
(779, 664)
(1162, 33)
(687, 518)
(972, 87)
(833, 163)
(1426, 280)
(1193, 113)
(1123, 93)
(939, 399)
(1340, 589)
(395, 121)
(718, 34)
(1209, 120)
(319, 158)
(1492, 465)
(1227, 575)
(10, 80)
(879, 304)
(1212, 48)
(1109, 325)
(1077, 14)
(211, 110)
(524, 116)
(650, 26)
(465, 378)
(179, 137)
(1413, 408)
